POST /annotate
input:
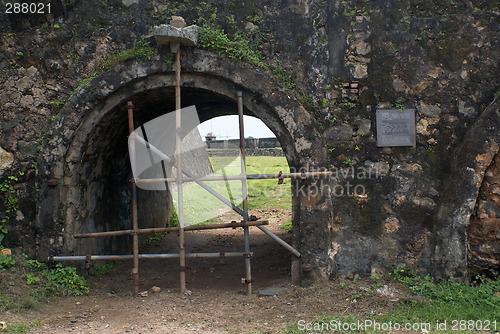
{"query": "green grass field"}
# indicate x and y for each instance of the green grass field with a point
(202, 207)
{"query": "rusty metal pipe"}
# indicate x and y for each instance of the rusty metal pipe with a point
(135, 225)
(178, 139)
(145, 256)
(170, 229)
(305, 175)
(280, 241)
(244, 193)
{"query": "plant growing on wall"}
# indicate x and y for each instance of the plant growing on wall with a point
(238, 47)
(9, 202)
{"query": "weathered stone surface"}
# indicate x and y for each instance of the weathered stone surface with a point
(429, 110)
(391, 225)
(177, 22)
(489, 249)
(421, 23)
(360, 71)
(488, 209)
(464, 75)
(129, 3)
(380, 168)
(28, 149)
(19, 215)
(421, 127)
(425, 202)
(464, 110)
(165, 34)
(251, 26)
(399, 85)
(361, 47)
(339, 133)
(26, 101)
(6, 161)
(364, 127)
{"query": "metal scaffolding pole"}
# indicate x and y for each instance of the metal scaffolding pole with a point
(135, 226)
(244, 192)
(233, 224)
(145, 256)
(178, 139)
(208, 178)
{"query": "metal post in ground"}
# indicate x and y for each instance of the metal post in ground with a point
(244, 191)
(178, 138)
(135, 226)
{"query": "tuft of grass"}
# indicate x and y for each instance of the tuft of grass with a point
(84, 83)
(287, 226)
(447, 300)
(101, 270)
(463, 308)
(238, 47)
(20, 328)
(283, 77)
(141, 49)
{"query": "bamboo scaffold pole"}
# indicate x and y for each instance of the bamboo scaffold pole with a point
(178, 138)
(233, 224)
(208, 178)
(244, 193)
(135, 226)
(145, 256)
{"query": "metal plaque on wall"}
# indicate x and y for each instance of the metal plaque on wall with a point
(395, 127)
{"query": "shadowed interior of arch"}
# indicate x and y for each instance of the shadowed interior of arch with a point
(106, 171)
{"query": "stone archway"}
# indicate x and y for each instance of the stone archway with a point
(87, 151)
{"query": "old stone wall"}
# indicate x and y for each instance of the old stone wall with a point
(340, 60)
(484, 228)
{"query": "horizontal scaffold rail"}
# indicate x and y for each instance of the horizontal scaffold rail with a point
(237, 177)
(146, 256)
(233, 224)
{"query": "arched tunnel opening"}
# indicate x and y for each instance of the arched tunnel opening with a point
(105, 190)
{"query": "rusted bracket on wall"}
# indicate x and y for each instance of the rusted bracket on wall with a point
(51, 264)
(280, 177)
(88, 262)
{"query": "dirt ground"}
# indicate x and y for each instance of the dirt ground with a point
(217, 303)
